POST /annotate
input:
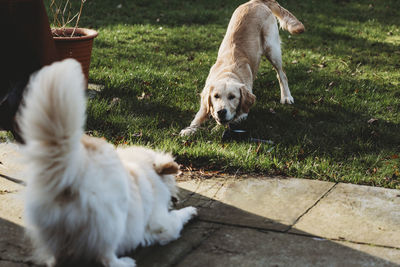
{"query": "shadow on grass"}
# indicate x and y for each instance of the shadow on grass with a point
(317, 120)
(159, 12)
(175, 12)
(356, 50)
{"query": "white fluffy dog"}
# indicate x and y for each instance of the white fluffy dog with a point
(86, 200)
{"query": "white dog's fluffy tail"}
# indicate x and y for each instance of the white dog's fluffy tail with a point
(286, 19)
(53, 114)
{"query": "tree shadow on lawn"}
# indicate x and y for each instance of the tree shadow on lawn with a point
(132, 115)
(159, 12)
(347, 47)
(155, 54)
(175, 12)
(332, 12)
(324, 129)
(325, 118)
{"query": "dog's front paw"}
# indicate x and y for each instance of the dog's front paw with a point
(120, 262)
(126, 262)
(190, 212)
(287, 100)
(188, 131)
(241, 117)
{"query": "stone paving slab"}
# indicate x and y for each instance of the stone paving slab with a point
(11, 207)
(10, 160)
(192, 236)
(232, 246)
(14, 246)
(356, 213)
(267, 203)
(12, 264)
(7, 186)
(10, 192)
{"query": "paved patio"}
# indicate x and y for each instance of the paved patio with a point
(248, 221)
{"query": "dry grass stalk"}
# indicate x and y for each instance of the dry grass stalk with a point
(62, 15)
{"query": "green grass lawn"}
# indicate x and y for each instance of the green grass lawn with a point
(153, 58)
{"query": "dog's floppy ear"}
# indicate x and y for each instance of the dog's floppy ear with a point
(164, 164)
(168, 168)
(247, 99)
(206, 98)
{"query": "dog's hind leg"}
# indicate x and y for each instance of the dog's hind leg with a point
(274, 55)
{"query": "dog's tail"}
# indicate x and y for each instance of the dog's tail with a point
(53, 115)
(286, 19)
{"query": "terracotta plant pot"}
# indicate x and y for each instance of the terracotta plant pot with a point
(78, 47)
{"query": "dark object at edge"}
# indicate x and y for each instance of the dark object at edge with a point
(27, 46)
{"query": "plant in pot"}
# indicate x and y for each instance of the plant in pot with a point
(71, 42)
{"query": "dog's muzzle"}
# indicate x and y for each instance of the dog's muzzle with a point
(221, 116)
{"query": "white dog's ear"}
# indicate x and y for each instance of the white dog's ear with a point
(206, 99)
(247, 99)
(168, 168)
(165, 164)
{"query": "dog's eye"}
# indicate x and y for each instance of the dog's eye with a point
(230, 97)
(216, 95)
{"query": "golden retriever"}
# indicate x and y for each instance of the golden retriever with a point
(252, 32)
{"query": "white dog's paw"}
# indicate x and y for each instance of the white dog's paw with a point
(172, 228)
(124, 262)
(287, 100)
(188, 213)
(188, 131)
(128, 261)
(241, 117)
(50, 262)
(192, 211)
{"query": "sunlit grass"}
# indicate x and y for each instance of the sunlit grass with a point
(153, 58)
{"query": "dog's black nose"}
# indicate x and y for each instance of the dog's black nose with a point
(221, 113)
